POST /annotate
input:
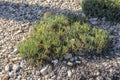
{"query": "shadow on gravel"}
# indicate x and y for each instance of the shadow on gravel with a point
(25, 12)
(32, 13)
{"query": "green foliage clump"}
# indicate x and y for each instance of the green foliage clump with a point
(56, 35)
(102, 8)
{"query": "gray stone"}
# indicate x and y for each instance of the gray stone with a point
(55, 62)
(63, 69)
(72, 59)
(78, 62)
(94, 22)
(64, 62)
(76, 58)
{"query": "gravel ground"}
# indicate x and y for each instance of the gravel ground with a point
(16, 17)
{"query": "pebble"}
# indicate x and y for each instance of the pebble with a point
(19, 77)
(69, 73)
(55, 62)
(46, 69)
(1, 71)
(78, 62)
(47, 77)
(69, 63)
(104, 64)
(94, 21)
(8, 68)
(16, 68)
(72, 59)
(11, 74)
(37, 73)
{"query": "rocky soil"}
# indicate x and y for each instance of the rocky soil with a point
(16, 18)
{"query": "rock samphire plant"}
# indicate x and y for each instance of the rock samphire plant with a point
(56, 35)
(102, 8)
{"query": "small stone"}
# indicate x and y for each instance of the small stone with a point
(72, 59)
(14, 59)
(47, 77)
(99, 78)
(55, 62)
(80, 58)
(37, 73)
(19, 77)
(104, 64)
(94, 22)
(69, 73)
(8, 68)
(115, 64)
(70, 64)
(17, 32)
(59, 78)
(96, 73)
(22, 64)
(73, 71)
(67, 56)
(44, 70)
(11, 74)
(76, 58)
(78, 62)
(64, 62)
(16, 68)
(53, 77)
(104, 18)
(1, 71)
(39, 12)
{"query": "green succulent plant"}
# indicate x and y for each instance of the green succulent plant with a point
(56, 35)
